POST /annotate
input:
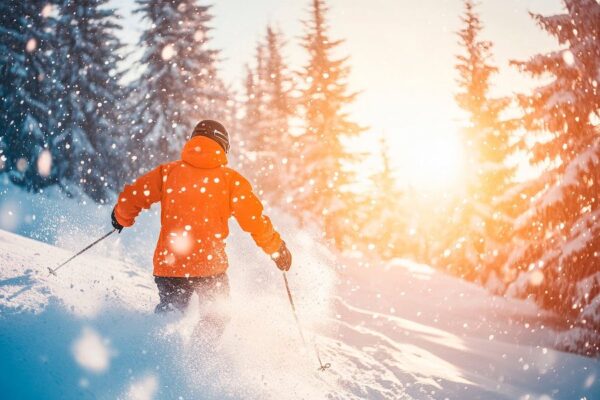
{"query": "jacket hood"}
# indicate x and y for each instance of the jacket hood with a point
(203, 152)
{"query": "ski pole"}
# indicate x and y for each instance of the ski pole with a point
(322, 367)
(53, 271)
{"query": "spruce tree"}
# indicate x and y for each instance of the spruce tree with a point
(324, 177)
(558, 260)
(280, 104)
(179, 85)
(86, 142)
(385, 225)
(484, 231)
(269, 108)
(251, 123)
(252, 104)
(254, 108)
(27, 92)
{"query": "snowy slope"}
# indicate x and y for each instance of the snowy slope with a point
(402, 331)
(394, 331)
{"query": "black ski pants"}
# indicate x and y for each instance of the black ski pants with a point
(175, 293)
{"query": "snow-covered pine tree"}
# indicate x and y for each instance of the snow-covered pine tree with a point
(253, 106)
(252, 102)
(279, 111)
(280, 84)
(384, 227)
(559, 260)
(484, 227)
(269, 108)
(324, 176)
(85, 145)
(179, 85)
(27, 92)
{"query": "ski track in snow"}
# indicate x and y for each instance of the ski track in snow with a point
(90, 333)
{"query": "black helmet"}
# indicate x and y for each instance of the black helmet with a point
(215, 131)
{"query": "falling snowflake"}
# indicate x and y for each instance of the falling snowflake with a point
(31, 45)
(44, 163)
(168, 52)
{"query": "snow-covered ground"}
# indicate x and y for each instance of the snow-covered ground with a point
(390, 331)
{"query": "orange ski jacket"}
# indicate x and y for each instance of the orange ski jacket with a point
(198, 195)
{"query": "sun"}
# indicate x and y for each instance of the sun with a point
(431, 161)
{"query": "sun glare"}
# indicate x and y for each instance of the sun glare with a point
(431, 161)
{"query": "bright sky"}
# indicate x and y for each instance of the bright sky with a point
(402, 58)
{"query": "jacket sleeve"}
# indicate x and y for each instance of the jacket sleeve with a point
(142, 193)
(248, 211)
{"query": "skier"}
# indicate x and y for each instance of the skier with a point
(198, 194)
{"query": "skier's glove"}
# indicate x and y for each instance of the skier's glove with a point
(115, 223)
(282, 258)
